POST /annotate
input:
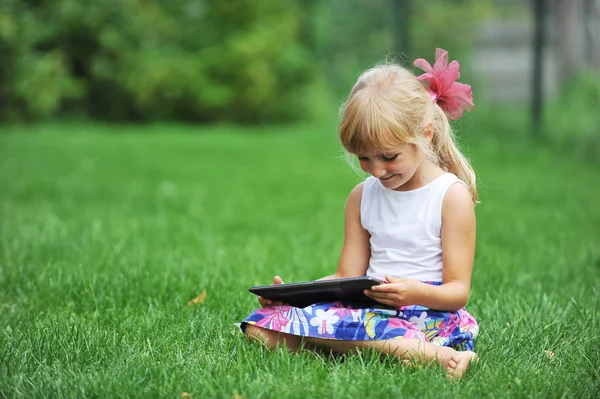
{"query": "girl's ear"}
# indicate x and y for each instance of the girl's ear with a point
(428, 132)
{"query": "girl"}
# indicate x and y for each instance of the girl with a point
(412, 223)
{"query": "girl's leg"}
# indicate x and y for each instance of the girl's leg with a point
(407, 350)
(273, 339)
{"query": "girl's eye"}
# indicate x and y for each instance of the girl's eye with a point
(363, 158)
(391, 158)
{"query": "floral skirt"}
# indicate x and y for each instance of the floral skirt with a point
(366, 321)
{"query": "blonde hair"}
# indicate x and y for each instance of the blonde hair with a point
(387, 107)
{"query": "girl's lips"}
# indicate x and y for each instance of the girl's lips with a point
(386, 178)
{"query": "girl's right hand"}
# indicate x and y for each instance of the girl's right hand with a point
(264, 302)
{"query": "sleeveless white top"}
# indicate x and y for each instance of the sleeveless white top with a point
(405, 228)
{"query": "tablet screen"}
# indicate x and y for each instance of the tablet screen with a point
(307, 293)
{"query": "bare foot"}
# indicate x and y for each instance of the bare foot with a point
(459, 363)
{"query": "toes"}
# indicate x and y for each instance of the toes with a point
(457, 366)
(456, 373)
(452, 374)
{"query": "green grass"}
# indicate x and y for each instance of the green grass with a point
(106, 232)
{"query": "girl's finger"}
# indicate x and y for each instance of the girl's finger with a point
(383, 288)
(376, 295)
(371, 292)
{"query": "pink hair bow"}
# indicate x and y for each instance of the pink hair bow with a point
(441, 84)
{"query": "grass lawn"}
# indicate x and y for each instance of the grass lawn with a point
(107, 232)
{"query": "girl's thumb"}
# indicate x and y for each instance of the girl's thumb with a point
(277, 280)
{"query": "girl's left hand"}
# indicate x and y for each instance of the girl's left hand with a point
(398, 292)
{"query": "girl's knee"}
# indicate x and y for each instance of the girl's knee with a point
(254, 333)
(251, 331)
(272, 339)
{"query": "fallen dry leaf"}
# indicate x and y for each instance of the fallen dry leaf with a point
(186, 395)
(550, 354)
(236, 396)
(199, 299)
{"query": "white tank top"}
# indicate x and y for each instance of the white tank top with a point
(405, 228)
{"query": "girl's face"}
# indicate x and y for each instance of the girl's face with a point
(394, 167)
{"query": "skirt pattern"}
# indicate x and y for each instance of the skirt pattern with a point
(365, 321)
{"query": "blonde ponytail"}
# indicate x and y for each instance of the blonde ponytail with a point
(448, 155)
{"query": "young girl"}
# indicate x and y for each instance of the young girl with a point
(411, 223)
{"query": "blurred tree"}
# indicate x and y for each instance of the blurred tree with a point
(402, 11)
(238, 60)
(537, 72)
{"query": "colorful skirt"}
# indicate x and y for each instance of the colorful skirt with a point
(367, 321)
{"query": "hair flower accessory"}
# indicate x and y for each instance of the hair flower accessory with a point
(441, 83)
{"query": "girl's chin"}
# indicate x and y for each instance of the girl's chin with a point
(392, 179)
(397, 183)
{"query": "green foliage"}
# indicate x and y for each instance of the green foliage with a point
(239, 60)
(200, 60)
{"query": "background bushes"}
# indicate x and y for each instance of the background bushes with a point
(235, 60)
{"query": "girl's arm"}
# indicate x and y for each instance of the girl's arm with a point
(356, 251)
(458, 251)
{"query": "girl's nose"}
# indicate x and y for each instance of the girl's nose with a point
(377, 170)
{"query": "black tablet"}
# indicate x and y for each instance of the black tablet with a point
(309, 292)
